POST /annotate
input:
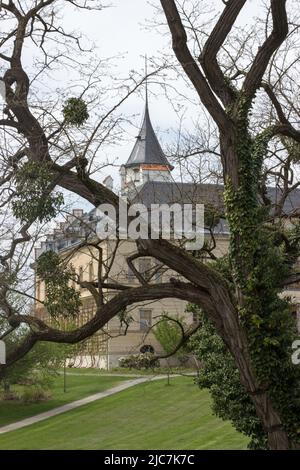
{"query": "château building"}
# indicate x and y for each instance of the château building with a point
(147, 178)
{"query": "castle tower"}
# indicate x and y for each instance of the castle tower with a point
(147, 161)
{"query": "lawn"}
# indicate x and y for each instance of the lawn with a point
(77, 387)
(148, 416)
(133, 372)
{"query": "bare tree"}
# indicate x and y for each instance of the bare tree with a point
(228, 99)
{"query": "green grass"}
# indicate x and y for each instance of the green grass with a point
(148, 416)
(103, 372)
(133, 372)
(77, 387)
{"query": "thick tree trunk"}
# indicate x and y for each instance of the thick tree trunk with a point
(277, 437)
(268, 415)
(220, 308)
(233, 335)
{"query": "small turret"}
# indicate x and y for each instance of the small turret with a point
(147, 161)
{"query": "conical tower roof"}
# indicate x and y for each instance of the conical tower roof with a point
(147, 149)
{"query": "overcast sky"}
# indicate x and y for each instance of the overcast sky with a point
(121, 29)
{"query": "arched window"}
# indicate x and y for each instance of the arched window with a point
(147, 348)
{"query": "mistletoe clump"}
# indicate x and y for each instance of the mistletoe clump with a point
(61, 299)
(75, 112)
(35, 199)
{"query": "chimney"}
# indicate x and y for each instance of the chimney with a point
(123, 178)
(77, 213)
(109, 183)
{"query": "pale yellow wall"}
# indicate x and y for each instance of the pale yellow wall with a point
(80, 259)
(222, 244)
(119, 344)
(135, 338)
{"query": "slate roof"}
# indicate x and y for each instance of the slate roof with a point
(161, 192)
(147, 149)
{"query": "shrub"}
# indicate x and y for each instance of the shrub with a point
(9, 396)
(39, 367)
(139, 361)
(169, 334)
(35, 395)
(220, 376)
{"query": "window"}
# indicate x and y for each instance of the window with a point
(80, 275)
(38, 290)
(130, 274)
(145, 267)
(196, 318)
(147, 348)
(91, 271)
(158, 272)
(136, 175)
(145, 319)
(72, 282)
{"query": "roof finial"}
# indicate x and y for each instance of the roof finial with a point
(146, 78)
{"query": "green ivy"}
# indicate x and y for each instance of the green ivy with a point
(220, 376)
(257, 264)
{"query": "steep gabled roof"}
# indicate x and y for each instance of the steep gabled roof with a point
(147, 149)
